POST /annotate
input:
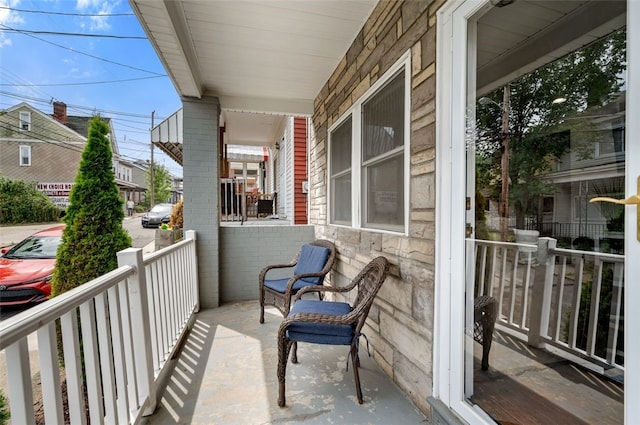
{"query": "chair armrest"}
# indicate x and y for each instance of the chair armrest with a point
(345, 319)
(263, 272)
(320, 288)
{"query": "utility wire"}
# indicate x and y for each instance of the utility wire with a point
(83, 53)
(81, 84)
(79, 107)
(44, 12)
(74, 34)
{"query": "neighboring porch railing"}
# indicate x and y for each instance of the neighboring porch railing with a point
(550, 297)
(118, 333)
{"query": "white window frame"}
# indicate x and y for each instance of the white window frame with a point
(452, 65)
(24, 119)
(357, 183)
(27, 150)
(339, 174)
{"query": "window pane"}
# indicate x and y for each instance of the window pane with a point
(25, 155)
(341, 199)
(341, 148)
(383, 120)
(385, 193)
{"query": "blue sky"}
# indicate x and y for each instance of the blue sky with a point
(85, 70)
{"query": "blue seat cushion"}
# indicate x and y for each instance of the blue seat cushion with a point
(312, 259)
(279, 285)
(320, 333)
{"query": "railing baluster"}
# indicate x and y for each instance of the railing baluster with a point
(514, 287)
(128, 344)
(50, 374)
(19, 375)
(73, 367)
(503, 278)
(91, 363)
(594, 312)
(558, 302)
(122, 400)
(107, 365)
(575, 305)
(614, 315)
(525, 292)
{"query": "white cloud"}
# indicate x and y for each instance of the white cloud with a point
(101, 7)
(7, 16)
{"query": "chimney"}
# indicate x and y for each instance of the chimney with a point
(60, 111)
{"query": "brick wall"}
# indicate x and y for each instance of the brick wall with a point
(400, 325)
(201, 188)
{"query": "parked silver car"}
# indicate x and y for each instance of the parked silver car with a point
(159, 214)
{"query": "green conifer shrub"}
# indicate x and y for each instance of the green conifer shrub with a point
(4, 409)
(94, 232)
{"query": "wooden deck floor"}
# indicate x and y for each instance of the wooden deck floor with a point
(527, 386)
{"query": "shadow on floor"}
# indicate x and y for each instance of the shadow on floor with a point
(527, 386)
(226, 374)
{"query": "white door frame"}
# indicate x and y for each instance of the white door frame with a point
(451, 103)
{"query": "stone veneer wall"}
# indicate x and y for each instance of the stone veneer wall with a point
(400, 325)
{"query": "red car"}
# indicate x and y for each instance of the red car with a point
(26, 268)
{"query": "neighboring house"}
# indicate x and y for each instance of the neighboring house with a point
(597, 150)
(125, 174)
(40, 148)
(390, 105)
(280, 172)
(47, 149)
(177, 187)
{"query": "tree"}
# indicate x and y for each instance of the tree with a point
(94, 232)
(539, 129)
(161, 184)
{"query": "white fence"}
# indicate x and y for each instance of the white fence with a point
(566, 299)
(118, 333)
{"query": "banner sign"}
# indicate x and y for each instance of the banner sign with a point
(57, 192)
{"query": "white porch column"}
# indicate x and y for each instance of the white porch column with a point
(201, 186)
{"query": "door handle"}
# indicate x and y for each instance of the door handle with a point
(631, 200)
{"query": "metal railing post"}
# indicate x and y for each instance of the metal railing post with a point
(140, 327)
(541, 296)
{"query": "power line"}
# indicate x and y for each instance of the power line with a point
(44, 12)
(79, 107)
(81, 84)
(83, 53)
(74, 34)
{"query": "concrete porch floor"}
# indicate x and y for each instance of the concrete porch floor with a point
(226, 374)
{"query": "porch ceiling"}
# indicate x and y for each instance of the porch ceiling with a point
(273, 57)
(255, 56)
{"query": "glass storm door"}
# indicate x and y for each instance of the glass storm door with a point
(548, 253)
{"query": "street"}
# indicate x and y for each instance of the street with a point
(10, 235)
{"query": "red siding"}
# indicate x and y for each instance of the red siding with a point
(299, 170)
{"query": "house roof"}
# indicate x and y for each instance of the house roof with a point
(73, 134)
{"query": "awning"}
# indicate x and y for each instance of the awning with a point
(168, 137)
(247, 153)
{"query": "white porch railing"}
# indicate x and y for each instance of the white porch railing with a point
(566, 299)
(120, 329)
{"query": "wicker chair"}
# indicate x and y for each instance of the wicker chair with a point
(484, 320)
(330, 322)
(310, 266)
